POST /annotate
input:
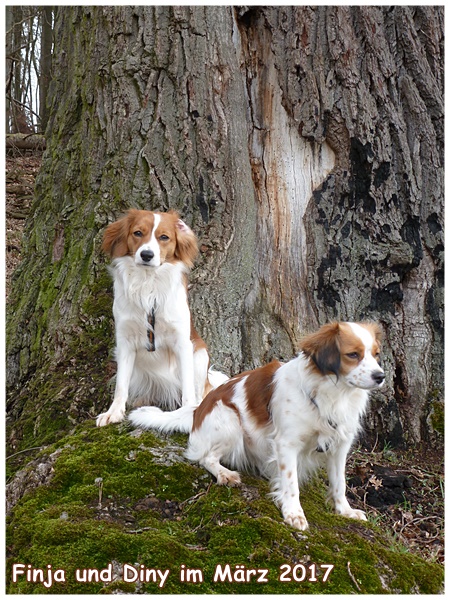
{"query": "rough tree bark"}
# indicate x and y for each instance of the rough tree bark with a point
(45, 63)
(9, 49)
(304, 145)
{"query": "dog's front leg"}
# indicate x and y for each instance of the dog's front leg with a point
(288, 492)
(201, 383)
(336, 475)
(125, 364)
(185, 358)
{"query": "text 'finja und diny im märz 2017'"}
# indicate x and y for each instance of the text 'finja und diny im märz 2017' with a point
(287, 573)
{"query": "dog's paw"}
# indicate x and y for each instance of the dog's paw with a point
(227, 477)
(109, 417)
(297, 520)
(354, 513)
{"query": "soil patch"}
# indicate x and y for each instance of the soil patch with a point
(403, 492)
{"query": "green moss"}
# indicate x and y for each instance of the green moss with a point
(438, 416)
(67, 387)
(153, 508)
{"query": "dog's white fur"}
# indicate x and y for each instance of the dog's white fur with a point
(152, 254)
(286, 420)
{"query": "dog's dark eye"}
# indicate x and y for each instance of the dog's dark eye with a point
(164, 238)
(353, 355)
(138, 233)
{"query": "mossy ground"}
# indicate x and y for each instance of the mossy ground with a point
(153, 508)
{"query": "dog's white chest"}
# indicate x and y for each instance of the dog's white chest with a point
(150, 305)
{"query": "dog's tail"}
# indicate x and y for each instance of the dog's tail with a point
(151, 417)
(216, 378)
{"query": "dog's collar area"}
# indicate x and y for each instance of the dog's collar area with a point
(312, 397)
(332, 424)
(151, 347)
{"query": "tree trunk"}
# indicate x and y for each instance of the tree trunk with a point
(304, 146)
(18, 117)
(9, 62)
(45, 63)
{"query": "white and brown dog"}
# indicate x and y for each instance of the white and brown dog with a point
(286, 420)
(161, 359)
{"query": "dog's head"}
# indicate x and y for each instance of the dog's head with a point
(152, 238)
(351, 351)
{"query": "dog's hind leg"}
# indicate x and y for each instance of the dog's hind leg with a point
(218, 438)
(223, 475)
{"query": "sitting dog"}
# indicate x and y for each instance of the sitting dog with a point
(286, 420)
(160, 356)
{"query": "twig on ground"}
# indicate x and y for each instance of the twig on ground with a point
(352, 577)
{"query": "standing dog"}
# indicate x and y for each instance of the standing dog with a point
(160, 357)
(286, 419)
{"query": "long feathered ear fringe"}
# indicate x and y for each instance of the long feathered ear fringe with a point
(323, 349)
(187, 247)
(375, 329)
(115, 238)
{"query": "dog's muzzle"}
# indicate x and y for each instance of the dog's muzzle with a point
(378, 377)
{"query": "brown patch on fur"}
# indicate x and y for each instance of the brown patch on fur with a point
(375, 329)
(115, 238)
(377, 334)
(187, 247)
(349, 343)
(119, 238)
(199, 344)
(330, 346)
(259, 390)
(224, 393)
(208, 387)
(322, 348)
(196, 340)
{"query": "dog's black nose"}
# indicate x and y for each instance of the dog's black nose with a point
(147, 255)
(378, 377)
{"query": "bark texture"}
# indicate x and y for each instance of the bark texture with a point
(304, 146)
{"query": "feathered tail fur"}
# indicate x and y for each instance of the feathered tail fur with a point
(151, 417)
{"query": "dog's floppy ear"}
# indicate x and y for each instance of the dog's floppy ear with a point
(187, 247)
(376, 330)
(322, 348)
(115, 238)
